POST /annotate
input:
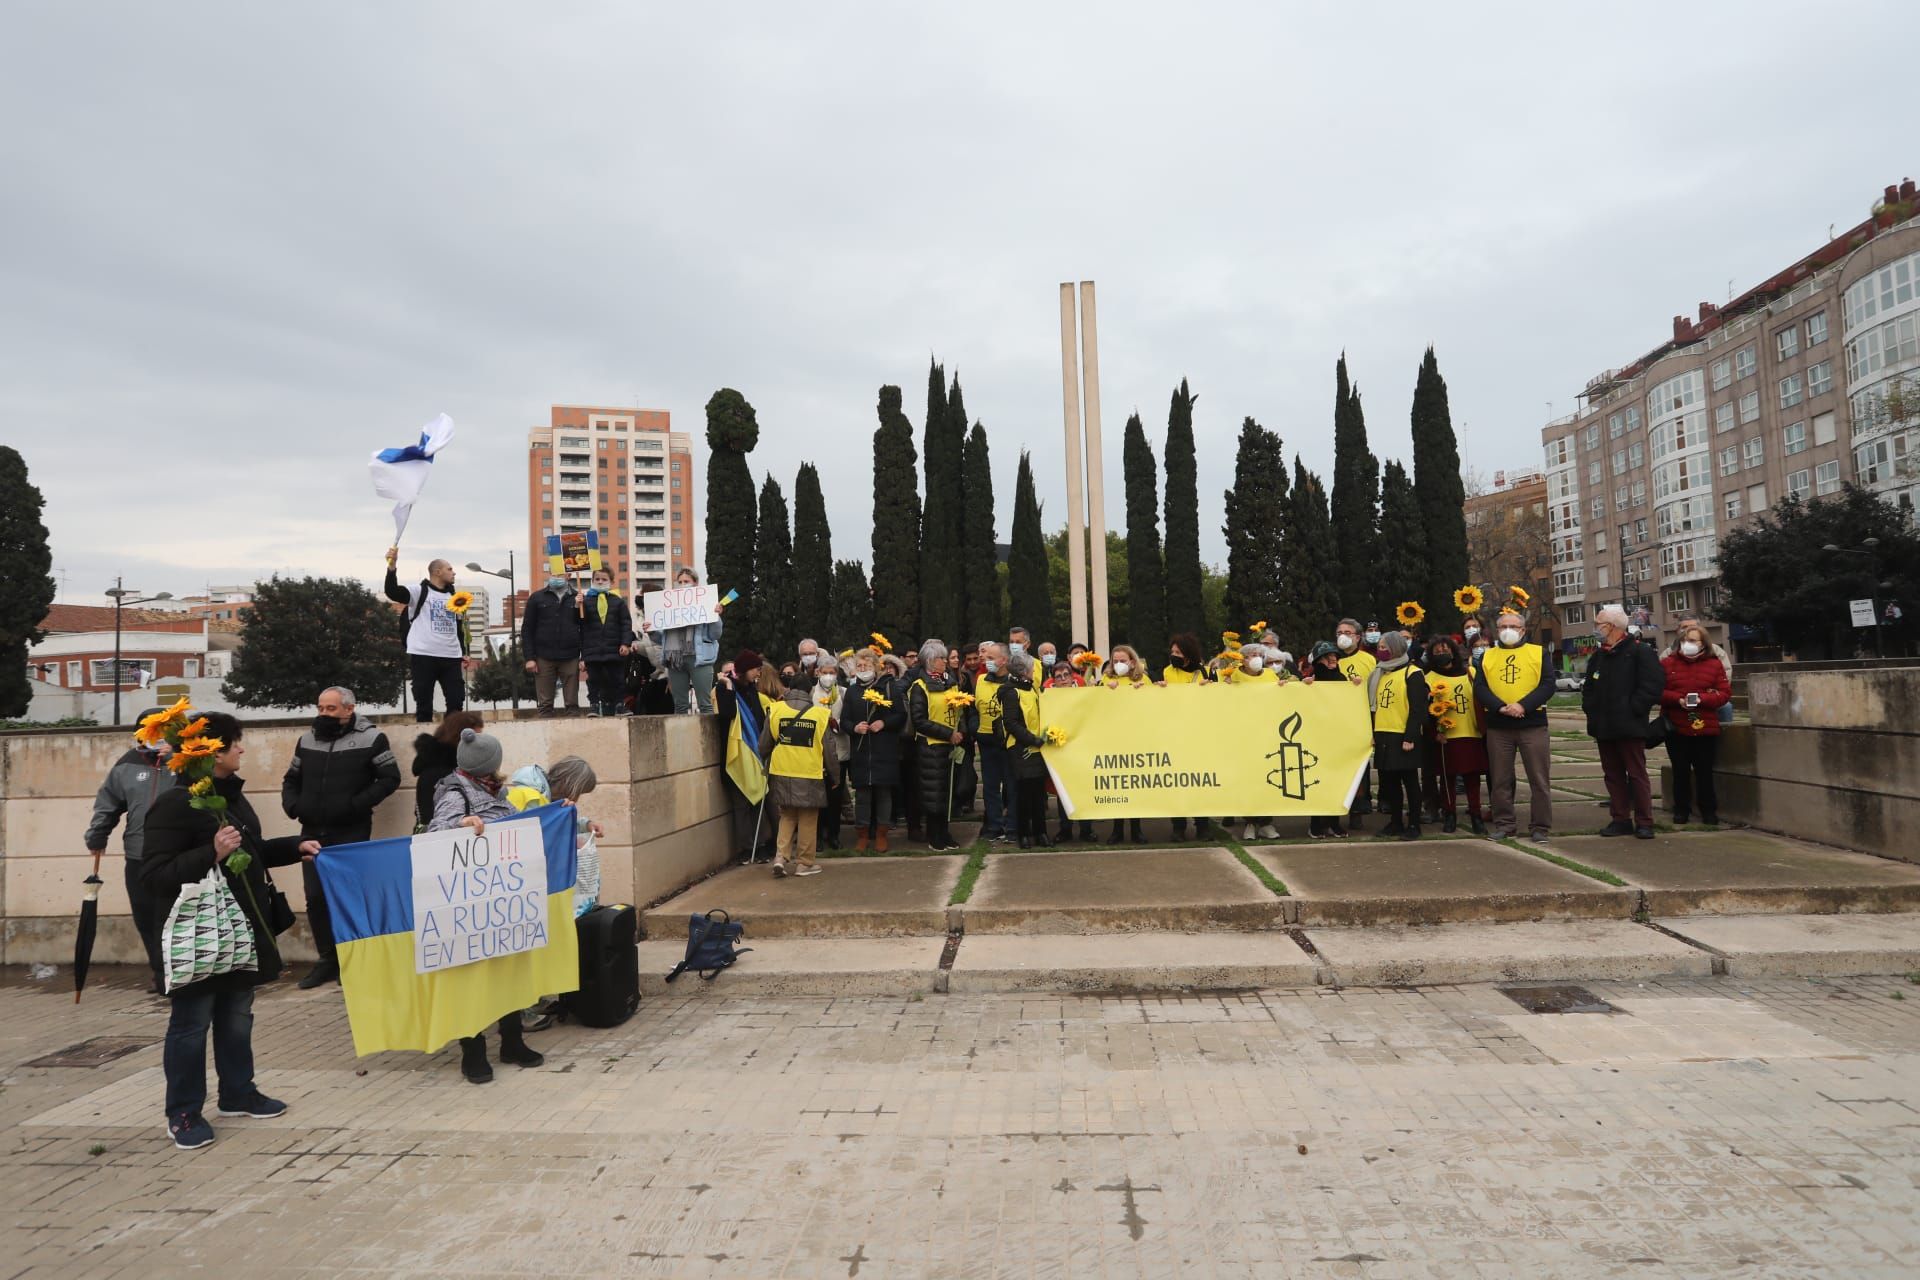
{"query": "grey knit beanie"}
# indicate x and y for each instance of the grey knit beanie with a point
(478, 753)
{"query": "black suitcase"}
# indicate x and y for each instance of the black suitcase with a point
(609, 967)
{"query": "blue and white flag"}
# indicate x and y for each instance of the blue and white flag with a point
(402, 473)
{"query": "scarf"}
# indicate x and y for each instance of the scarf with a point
(1380, 669)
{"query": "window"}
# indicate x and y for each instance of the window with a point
(190, 668)
(1620, 498)
(1593, 436)
(1816, 329)
(1633, 411)
(1640, 530)
(1723, 416)
(1786, 343)
(546, 461)
(1743, 362)
(1600, 575)
(1676, 393)
(1626, 536)
(1756, 452)
(1880, 460)
(73, 675)
(1574, 613)
(1881, 291)
(1820, 378)
(1791, 393)
(1750, 406)
(1722, 373)
(1558, 453)
(1896, 340)
(1615, 425)
(1800, 483)
(1731, 506)
(1826, 478)
(1593, 471)
(1599, 541)
(1637, 451)
(1619, 462)
(1677, 601)
(1569, 583)
(1793, 439)
(1639, 492)
(1823, 428)
(131, 672)
(1729, 460)
(1756, 497)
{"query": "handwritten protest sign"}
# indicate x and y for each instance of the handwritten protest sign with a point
(681, 606)
(476, 897)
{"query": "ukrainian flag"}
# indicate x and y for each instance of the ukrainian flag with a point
(743, 750)
(370, 893)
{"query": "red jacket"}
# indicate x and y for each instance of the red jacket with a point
(1702, 675)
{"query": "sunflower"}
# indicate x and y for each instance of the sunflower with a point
(1410, 613)
(202, 787)
(959, 698)
(195, 727)
(1258, 627)
(1439, 707)
(886, 645)
(1446, 724)
(1232, 638)
(1469, 599)
(155, 728)
(459, 602)
(1088, 658)
(878, 699)
(1519, 596)
(1056, 737)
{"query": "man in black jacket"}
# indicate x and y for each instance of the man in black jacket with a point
(550, 637)
(131, 787)
(1624, 682)
(342, 767)
(606, 638)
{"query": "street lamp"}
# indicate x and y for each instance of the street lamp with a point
(513, 667)
(121, 599)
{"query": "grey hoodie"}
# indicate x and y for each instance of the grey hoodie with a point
(136, 780)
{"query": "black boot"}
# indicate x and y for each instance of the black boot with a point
(473, 1059)
(514, 1049)
(1139, 832)
(1119, 833)
(1449, 821)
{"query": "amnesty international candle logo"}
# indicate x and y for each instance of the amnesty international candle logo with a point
(1510, 670)
(1289, 777)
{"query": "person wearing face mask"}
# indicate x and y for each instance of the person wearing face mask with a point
(437, 637)
(1045, 660)
(1323, 663)
(1126, 671)
(1184, 663)
(996, 765)
(830, 681)
(606, 639)
(1020, 728)
(1515, 685)
(1471, 632)
(801, 771)
(1690, 619)
(939, 728)
(1371, 637)
(808, 654)
(872, 734)
(1697, 687)
(1459, 748)
(1397, 692)
(1624, 682)
(1019, 641)
(1255, 670)
(550, 637)
(1356, 662)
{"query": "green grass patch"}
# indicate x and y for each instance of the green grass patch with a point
(1259, 869)
(969, 874)
(1594, 873)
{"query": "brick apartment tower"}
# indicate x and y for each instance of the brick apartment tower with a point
(623, 472)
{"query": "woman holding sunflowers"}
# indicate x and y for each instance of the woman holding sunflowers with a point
(437, 639)
(1459, 746)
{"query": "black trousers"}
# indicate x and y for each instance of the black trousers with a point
(607, 684)
(319, 918)
(1030, 809)
(149, 919)
(1693, 759)
(1400, 795)
(428, 672)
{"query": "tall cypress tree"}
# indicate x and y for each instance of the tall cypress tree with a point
(773, 573)
(1438, 486)
(732, 431)
(849, 608)
(1401, 574)
(25, 559)
(1255, 528)
(1029, 593)
(1313, 601)
(980, 553)
(896, 523)
(812, 555)
(1355, 509)
(942, 586)
(1186, 606)
(1146, 575)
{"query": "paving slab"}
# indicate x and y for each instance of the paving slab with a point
(1425, 955)
(1739, 872)
(851, 898)
(1369, 882)
(1130, 962)
(802, 967)
(1807, 946)
(1120, 891)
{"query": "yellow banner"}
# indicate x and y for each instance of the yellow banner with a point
(1196, 751)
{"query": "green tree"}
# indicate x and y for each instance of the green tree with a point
(773, 572)
(943, 589)
(1029, 600)
(1437, 484)
(1312, 603)
(1401, 573)
(1147, 586)
(304, 634)
(732, 431)
(849, 608)
(500, 675)
(1355, 507)
(1119, 585)
(896, 523)
(981, 552)
(812, 555)
(24, 563)
(1186, 605)
(1780, 578)
(1256, 528)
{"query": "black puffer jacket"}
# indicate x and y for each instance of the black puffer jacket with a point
(1623, 685)
(1026, 737)
(432, 761)
(340, 771)
(550, 628)
(931, 737)
(601, 641)
(873, 757)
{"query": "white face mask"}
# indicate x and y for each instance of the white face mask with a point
(826, 680)
(1255, 663)
(1691, 648)
(1046, 659)
(864, 677)
(1373, 637)
(1509, 636)
(1344, 640)
(809, 659)
(1472, 632)
(1121, 668)
(1479, 649)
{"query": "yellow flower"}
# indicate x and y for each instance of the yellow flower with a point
(155, 728)
(1410, 613)
(1439, 707)
(1088, 658)
(199, 748)
(1469, 599)
(959, 698)
(1229, 637)
(1446, 724)
(1056, 737)
(1519, 596)
(886, 645)
(460, 602)
(1258, 627)
(202, 787)
(878, 699)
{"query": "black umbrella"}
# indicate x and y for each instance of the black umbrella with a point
(89, 925)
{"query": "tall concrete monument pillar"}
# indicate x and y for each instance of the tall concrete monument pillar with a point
(1086, 524)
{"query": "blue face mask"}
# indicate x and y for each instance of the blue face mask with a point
(556, 584)
(1015, 649)
(991, 666)
(597, 589)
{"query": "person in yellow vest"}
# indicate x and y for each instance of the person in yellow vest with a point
(1397, 691)
(800, 770)
(1018, 722)
(1126, 672)
(1515, 685)
(1459, 748)
(996, 766)
(1257, 669)
(1356, 662)
(939, 725)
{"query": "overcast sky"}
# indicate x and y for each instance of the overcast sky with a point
(242, 247)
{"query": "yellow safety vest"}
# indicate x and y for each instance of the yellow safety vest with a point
(800, 741)
(1390, 708)
(1457, 692)
(937, 708)
(1029, 711)
(1240, 675)
(1512, 674)
(986, 700)
(1174, 675)
(1358, 664)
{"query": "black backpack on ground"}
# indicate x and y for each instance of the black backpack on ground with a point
(712, 945)
(609, 967)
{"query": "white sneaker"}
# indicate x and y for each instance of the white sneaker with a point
(779, 867)
(1248, 833)
(1269, 832)
(808, 870)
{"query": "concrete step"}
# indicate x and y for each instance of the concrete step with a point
(1742, 872)
(1569, 950)
(850, 898)
(1120, 891)
(1131, 962)
(803, 967)
(1806, 946)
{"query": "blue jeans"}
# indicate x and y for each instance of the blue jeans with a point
(230, 1015)
(997, 780)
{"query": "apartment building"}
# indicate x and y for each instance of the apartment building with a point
(1784, 390)
(1508, 545)
(624, 473)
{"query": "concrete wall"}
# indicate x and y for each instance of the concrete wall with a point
(661, 799)
(1829, 755)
